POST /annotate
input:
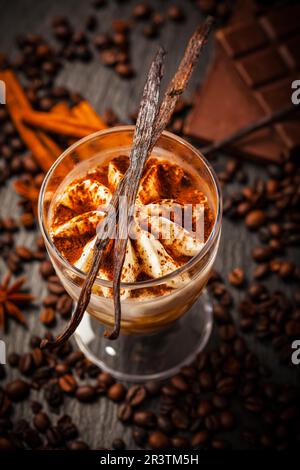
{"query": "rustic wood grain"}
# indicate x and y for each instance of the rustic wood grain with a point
(98, 422)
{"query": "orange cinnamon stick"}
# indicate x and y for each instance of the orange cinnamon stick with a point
(57, 124)
(17, 101)
(86, 113)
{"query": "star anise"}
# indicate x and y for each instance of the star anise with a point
(12, 297)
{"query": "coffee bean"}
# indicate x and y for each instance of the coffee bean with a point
(41, 421)
(67, 383)
(150, 30)
(286, 269)
(204, 408)
(206, 380)
(109, 116)
(13, 359)
(78, 445)
(292, 328)
(255, 219)
(144, 419)
(227, 332)
(232, 366)
(64, 306)
(54, 437)
(158, 440)
(67, 428)
(24, 253)
(227, 420)
(116, 392)
(237, 277)
(199, 438)
(53, 395)
(136, 394)
(26, 364)
(121, 26)
(169, 390)
(165, 424)
(220, 402)
(219, 444)
(37, 356)
(47, 316)
(212, 423)
(153, 387)
(36, 407)
(180, 419)
(102, 41)
(6, 444)
(120, 40)
(17, 390)
(125, 412)
(118, 444)
(179, 383)
(180, 442)
(140, 436)
(262, 253)
(175, 13)
(109, 57)
(124, 70)
(50, 300)
(27, 220)
(32, 438)
(35, 341)
(261, 271)
(61, 369)
(55, 288)
(85, 394)
(105, 379)
(74, 357)
(141, 11)
(226, 386)
(253, 404)
(221, 313)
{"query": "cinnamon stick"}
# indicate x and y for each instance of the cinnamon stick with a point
(45, 153)
(56, 124)
(86, 113)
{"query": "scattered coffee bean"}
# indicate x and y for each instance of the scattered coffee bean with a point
(67, 383)
(116, 392)
(158, 440)
(237, 277)
(85, 394)
(145, 419)
(41, 421)
(17, 390)
(136, 394)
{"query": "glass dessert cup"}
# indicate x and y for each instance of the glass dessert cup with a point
(166, 321)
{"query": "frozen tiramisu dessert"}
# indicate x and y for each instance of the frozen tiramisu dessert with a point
(173, 219)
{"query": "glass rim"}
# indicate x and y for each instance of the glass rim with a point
(139, 284)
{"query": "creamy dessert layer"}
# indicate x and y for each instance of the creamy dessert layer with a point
(172, 219)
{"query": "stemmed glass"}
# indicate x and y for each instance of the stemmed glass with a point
(163, 332)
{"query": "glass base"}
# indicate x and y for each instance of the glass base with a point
(138, 358)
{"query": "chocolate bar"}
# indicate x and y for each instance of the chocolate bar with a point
(257, 59)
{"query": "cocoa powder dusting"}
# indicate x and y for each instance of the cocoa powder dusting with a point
(172, 182)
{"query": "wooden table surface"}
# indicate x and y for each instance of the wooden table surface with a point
(98, 423)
